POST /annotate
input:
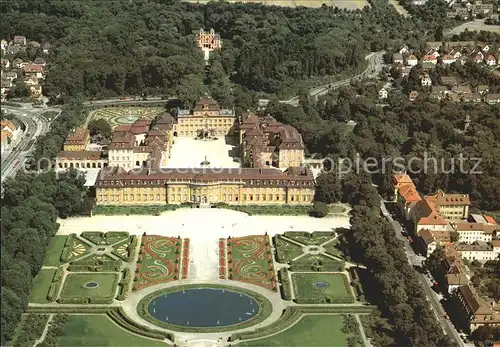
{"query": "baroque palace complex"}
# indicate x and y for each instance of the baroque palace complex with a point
(134, 165)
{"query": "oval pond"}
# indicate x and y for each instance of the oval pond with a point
(203, 307)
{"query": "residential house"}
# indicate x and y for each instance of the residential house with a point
(449, 81)
(34, 44)
(400, 180)
(5, 63)
(407, 198)
(12, 50)
(478, 57)
(474, 232)
(448, 59)
(14, 132)
(30, 80)
(413, 95)
(461, 89)
(405, 71)
(476, 310)
(491, 61)
(432, 239)
(483, 89)
(10, 75)
(404, 50)
(430, 59)
(457, 274)
(426, 67)
(492, 99)
(382, 93)
(424, 215)
(20, 40)
(40, 61)
(485, 48)
(471, 97)
(46, 48)
(412, 60)
(5, 141)
(450, 206)
(17, 63)
(34, 69)
(397, 58)
(433, 52)
(481, 252)
(433, 45)
(455, 53)
(35, 91)
(440, 89)
(425, 80)
(482, 219)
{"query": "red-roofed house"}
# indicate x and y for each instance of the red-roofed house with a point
(426, 217)
(450, 206)
(489, 219)
(430, 59)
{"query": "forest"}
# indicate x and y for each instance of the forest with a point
(104, 49)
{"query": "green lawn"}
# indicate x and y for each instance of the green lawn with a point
(310, 331)
(74, 285)
(336, 289)
(53, 255)
(99, 330)
(331, 248)
(41, 286)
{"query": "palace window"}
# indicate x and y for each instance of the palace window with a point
(157, 196)
(277, 197)
(172, 197)
(257, 197)
(125, 197)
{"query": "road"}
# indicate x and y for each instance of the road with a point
(477, 24)
(375, 64)
(36, 125)
(416, 260)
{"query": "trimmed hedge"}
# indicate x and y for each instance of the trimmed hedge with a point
(120, 318)
(58, 275)
(290, 316)
(84, 301)
(93, 268)
(62, 309)
(325, 300)
(286, 286)
(113, 210)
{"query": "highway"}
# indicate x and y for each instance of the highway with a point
(416, 260)
(36, 125)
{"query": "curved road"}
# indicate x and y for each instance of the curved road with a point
(36, 125)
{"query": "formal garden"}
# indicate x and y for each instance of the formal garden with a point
(125, 115)
(161, 259)
(87, 278)
(250, 260)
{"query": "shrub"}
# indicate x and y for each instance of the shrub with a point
(53, 291)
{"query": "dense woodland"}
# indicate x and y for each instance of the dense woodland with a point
(137, 47)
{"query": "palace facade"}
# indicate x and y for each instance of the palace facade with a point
(133, 163)
(206, 120)
(208, 41)
(116, 186)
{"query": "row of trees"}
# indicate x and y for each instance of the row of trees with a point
(31, 204)
(392, 283)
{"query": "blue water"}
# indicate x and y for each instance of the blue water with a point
(203, 307)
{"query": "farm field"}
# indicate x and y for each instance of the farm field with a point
(348, 4)
(311, 331)
(99, 330)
